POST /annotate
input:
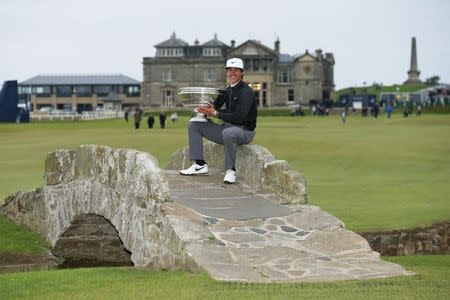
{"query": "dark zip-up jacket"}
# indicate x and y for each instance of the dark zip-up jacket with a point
(240, 106)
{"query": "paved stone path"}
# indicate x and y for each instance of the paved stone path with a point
(236, 234)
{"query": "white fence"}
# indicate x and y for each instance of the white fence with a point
(88, 115)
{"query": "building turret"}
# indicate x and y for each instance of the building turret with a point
(277, 46)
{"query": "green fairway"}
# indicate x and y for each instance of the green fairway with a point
(372, 174)
(119, 283)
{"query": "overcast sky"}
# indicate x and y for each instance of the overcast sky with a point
(370, 40)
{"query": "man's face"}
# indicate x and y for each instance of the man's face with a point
(234, 75)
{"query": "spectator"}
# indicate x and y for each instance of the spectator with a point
(137, 117)
(174, 117)
(418, 110)
(126, 114)
(389, 110)
(376, 110)
(405, 113)
(150, 121)
(162, 120)
(344, 116)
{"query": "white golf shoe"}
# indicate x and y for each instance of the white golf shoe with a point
(230, 177)
(195, 170)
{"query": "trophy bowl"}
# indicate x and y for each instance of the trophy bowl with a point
(194, 97)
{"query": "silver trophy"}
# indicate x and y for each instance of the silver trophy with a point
(194, 97)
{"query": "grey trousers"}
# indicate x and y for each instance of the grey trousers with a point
(226, 134)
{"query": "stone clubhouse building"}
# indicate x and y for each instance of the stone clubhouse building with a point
(278, 79)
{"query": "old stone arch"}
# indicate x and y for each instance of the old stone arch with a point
(91, 240)
(125, 187)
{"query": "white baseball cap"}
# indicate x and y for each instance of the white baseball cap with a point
(235, 63)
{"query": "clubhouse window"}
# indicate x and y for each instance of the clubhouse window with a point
(256, 64)
(208, 75)
(290, 95)
(102, 90)
(168, 98)
(84, 91)
(63, 91)
(170, 52)
(42, 91)
(167, 75)
(212, 52)
(284, 76)
(133, 91)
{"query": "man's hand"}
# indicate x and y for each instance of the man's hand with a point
(208, 110)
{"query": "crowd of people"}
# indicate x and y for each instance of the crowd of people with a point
(374, 110)
(316, 110)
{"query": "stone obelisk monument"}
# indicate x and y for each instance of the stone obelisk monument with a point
(413, 73)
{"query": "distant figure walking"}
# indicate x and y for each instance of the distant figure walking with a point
(150, 121)
(418, 110)
(405, 113)
(389, 110)
(174, 117)
(162, 120)
(126, 114)
(344, 116)
(376, 110)
(137, 117)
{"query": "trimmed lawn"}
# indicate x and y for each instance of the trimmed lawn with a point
(17, 239)
(372, 174)
(432, 282)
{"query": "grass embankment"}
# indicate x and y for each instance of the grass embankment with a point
(17, 239)
(119, 283)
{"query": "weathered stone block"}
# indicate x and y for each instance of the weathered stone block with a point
(280, 179)
(336, 242)
(59, 167)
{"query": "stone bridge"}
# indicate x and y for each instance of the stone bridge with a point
(99, 203)
(126, 187)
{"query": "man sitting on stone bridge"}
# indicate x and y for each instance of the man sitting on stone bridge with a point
(239, 116)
